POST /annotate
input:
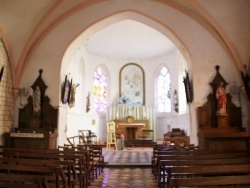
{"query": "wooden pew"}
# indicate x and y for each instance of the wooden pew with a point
(96, 157)
(22, 181)
(198, 157)
(159, 151)
(199, 171)
(240, 181)
(164, 164)
(51, 174)
(80, 158)
(68, 166)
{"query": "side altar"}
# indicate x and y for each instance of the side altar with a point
(37, 123)
(220, 120)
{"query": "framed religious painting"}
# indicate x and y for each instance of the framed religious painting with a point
(132, 86)
(65, 91)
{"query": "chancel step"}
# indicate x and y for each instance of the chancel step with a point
(140, 143)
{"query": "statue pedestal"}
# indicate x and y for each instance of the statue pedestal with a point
(222, 121)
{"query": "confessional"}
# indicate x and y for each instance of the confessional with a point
(221, 132)
(37, 126)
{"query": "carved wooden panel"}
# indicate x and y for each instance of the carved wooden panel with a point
(203, 117)
(47, 118)
(207, 113)
(44, 121)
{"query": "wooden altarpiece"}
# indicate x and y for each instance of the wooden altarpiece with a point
(221, 132)
(36, 129)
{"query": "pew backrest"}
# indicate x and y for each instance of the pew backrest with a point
(234, 181)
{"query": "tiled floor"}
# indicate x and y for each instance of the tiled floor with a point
(126, 169)
(135, 156)
(125, 178)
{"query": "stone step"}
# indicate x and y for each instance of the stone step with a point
(140, 143)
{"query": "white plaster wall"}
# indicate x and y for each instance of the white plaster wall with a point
(76, 120)
(204, 50)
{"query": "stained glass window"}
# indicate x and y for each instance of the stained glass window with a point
(163, 91)
(100, 90)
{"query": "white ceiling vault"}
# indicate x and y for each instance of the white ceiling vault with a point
(128, 39)
(28, 26)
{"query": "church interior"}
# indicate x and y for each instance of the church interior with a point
(129, 76)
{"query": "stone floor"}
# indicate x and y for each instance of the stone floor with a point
(128, 157)
(129, 168)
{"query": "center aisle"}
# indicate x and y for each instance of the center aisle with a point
(129, 168)
(125, 178)
(134, 156)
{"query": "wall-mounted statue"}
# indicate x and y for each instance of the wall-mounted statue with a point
(37, 100)
(219, 111)
(221, 96)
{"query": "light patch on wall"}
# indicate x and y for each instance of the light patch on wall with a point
(93, 121)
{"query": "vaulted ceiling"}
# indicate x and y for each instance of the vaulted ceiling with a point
(130, 39)
(25, 23)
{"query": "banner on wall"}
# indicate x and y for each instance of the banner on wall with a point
(188, 88)
(246, 80)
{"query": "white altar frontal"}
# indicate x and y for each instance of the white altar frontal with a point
(144, 117)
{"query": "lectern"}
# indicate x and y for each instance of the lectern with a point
(111, 135)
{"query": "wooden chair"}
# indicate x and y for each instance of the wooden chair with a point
(75, 140)
(88, 137)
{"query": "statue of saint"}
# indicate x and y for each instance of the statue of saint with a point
(37, 100)
(221, 97)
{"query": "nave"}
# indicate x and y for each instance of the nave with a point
(129, 168)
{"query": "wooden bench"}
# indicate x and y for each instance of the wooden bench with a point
(195, 171)
(240, 181)
(80, 159)
(165, 164)
(159, 151)
(54, 175)
(68, 166)
(198, 157)
(21, 181)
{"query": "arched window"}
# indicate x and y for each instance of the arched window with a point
(100, 90)
(163, 90)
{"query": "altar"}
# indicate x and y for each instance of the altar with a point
(144, 119)
(131, 130)
(37, 123)
(32, 140)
